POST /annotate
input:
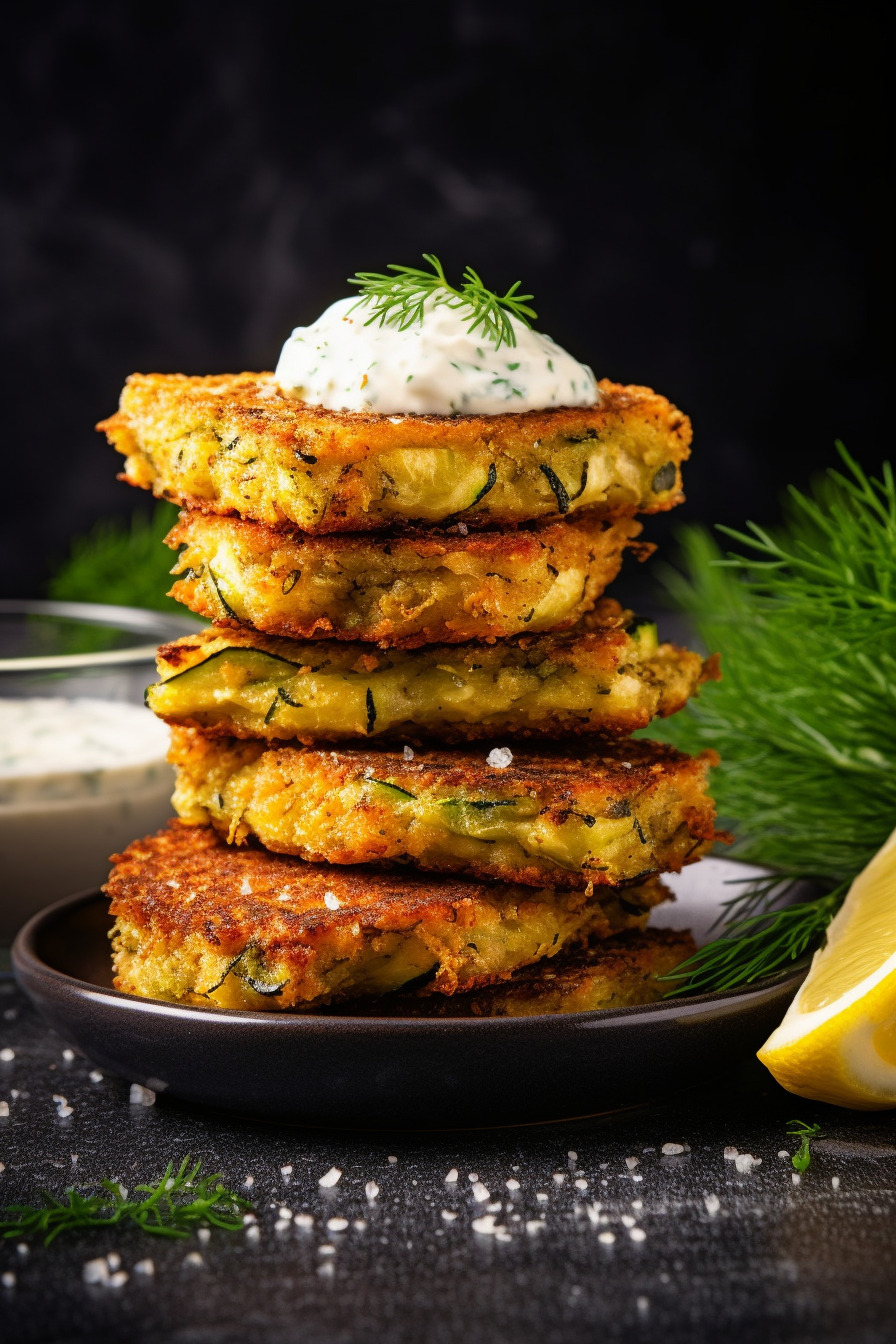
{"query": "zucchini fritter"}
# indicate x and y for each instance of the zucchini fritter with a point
(402, 590)
(609, 675)
(615, 815)
(199, 921)
(234, 443)
(616, 972)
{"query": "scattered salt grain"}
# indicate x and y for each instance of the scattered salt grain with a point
(541, 1197)
(326, 1249)
(8, 1279)
(245, 887)
(643, 1305)
(371, 1190)
(337, 1224)
(451, 1177)
(782, 1152)
(193, 1258)
(637, 1204)
(535, 1225)
(581, 1185)
(95, 1271)
(835, 1182)
(606, 1237)
(253, 1233)
(330, 1178)
(672, 1149)
(204, 1235)
(145, 1267)
(249, 1182)
(638, 1234)
(285, 1213)
(559, 1177)
(632, 1162)
(393, 1158)
(495, 1207)
(331, 900)
(95, 1076)
(462, 529)
(249, 1218)
(499, 758)
(303, 1220)
(487, 1226)
(628, 1220)
(730, 1154)
(512, 1184)
(359, 1224)
(68, 1055)
(745, 1162)
(712, 1203)
(142, 1096)
(6, 1054)
(593, 1212)
(113, 1260)
(472, 1176)
(408, 753)
(287, 1170)
(117, 1280)
(795, 1178)
(448, 1215)
(480, 1193)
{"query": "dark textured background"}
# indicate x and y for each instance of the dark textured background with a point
(699, 203)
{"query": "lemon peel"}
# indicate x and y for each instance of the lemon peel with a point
(837, 1042)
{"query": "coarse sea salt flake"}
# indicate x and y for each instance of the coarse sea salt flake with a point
(835, 1182)
(330, 1178)
(480, 1193)
(142, 1096)
(632, 1162)
(712, 1203)
(68, 1055)
(745, 1162)
(499, 758)
(512, 1184)
(452, 1176)
(581, 1185)
(95, 1076)
(287, 1170)
(730, 1154)
(607, 1238)
(672, 1149)
(337, 1224)
(7, 1055)
(145, 1267)
(8, 1278)
(371, 1189)
(4, 1109)
(448, 1215)
(638, 1234)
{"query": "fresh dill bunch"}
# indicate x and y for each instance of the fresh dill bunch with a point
(802, 1130)
(399, 299)
(804, 718)
(122, 562)
(175, 1206)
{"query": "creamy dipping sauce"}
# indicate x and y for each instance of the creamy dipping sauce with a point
(79, 779)
(433, 367)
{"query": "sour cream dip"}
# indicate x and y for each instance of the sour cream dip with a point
(432, 367)
(79, 779)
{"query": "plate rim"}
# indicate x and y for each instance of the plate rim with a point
(25, 960)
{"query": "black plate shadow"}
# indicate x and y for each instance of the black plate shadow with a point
(382, 1072)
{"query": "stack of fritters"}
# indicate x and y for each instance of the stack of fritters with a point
(412, 671)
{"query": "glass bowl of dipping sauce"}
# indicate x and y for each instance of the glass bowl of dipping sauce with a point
(82, 761)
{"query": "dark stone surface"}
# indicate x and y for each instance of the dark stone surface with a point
(778, 1261)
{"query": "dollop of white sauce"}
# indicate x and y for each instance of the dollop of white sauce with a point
(433, 367)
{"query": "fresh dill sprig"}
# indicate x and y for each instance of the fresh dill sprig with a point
(178, 1203)
(399, 299)
(804, 718)
(802, 1130)
(120, 562)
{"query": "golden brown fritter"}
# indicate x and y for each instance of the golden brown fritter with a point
(234, 443)
(198, 921)
(420, 587)
(615, 814)
(608, 676)
(617, 972)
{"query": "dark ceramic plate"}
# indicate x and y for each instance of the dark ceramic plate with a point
(413, 1073)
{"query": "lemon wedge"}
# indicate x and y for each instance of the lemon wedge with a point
(837, 1042)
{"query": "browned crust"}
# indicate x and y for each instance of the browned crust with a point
(252, 402)
(583, 540)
